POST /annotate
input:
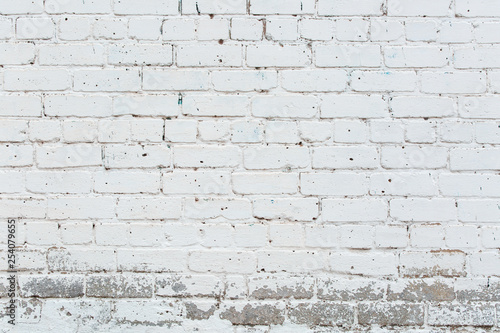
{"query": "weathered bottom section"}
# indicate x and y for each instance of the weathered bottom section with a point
(87, 315)
(262, 303)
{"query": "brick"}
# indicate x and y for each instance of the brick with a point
(391, 236)
(433, 290)
(196, 182)
(253, 313)
(71, 55)
(36, 79)
(490, 237)
(23, 207)
(293, 7)
(416, 56)
(189, 286)
(206, 156)
(111, 234)
(215, 105)
(250, 235)
(214, 7)
(468, 8)
(403, 183)
(244, 80)
(350, 131)
(74, 28)
(22, 7)
(477, 289)
(145, 28)
(291, 261)
(77, 7)
(329, 55)
(459, 237)
(175, 80)
(246, 29)
(281, 29)
(13, 130)
(207, 55)
(322, 236)
(275, 157)
(35, 28)
(472, 315)
(350, 106)
(383, 81)
(353, 210)
(12, 181)
(425, 8)
(61, 208)
(364, 264)
(78, 260)
(156, 208)
(337, 183)
(181, 131)
(148, 7)
(210, 208)
(107, 80)
(474, 159)
(52, 286)
(17, 54)
(422, 236)
(278, 56)
(284, 106)
(416, 107)
(264, 183)
(485, 210)
(357, 289)
(280, 235)
(126, 182)
(210, 29)
(455, 32)
(477, 57)
(421, 132)
(321, 313)
(428, 264)
(478, 107)
(110, 28)
(351, 8)
(59, 182)
(78, 106)
(313, 29)
(119, 286)
(276, 287)
(414, 157)
(345, 157)
(147, 156)
(45, 130)
(453, 82)
(144, 54)
(423, 210)
(20, 105)
(352, 30)
(387, 314)
(301, 209)
(469, 185)
(145, 105)
(314, 80)
(487, 132)
(386, 30)
(421, 30)
(77, 155)
(16, 155)
(222, 261)
(314, 131)
(151, 260)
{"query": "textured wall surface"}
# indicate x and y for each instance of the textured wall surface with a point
(251, 165)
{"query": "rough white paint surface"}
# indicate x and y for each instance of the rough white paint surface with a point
(251, 165)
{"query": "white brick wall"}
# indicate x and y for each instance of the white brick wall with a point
(251, 165)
